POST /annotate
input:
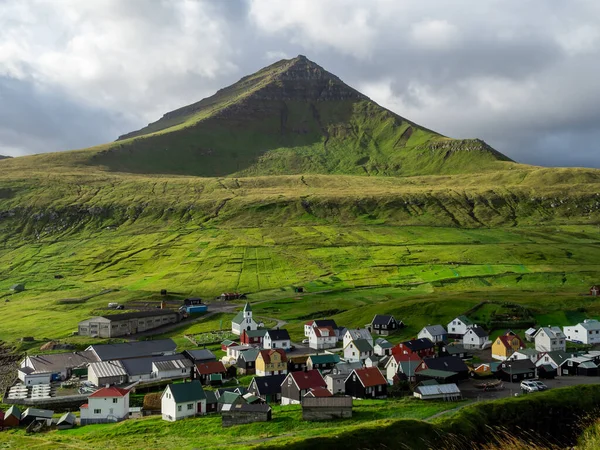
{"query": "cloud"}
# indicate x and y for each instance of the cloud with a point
(434, 34)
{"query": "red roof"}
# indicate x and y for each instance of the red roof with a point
(319, 331)
(505, 339)
(110, 392)
(85, 405)
(370, 376)
(210, 367)
(266, 355)
(406, 357)
(319, 392)
(309, 379)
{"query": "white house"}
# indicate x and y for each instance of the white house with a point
(476, 337)
(30, 377)
(308, 326)
(402, 365)
(382, 347)
(172, 369)
(182, 400)
(550, 339)
(526, 353)
(321, 338)
(459, 326)
(435, 333)
(243, 321)
(356, 334)
(587, 332)
(358, 350)
(109, 404)
(277, 339)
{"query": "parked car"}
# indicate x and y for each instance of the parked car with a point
(541, 386)
(305, 341)
(529, 386)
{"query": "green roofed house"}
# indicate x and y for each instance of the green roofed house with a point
(182, 400)
(326, 361)
(229, 398)
(243, 321)
(215, 379)
(12, 417)
(459, 326)
(358, 350)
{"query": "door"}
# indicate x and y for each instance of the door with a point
(199, 407)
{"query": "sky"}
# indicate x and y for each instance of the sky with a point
(520, 74)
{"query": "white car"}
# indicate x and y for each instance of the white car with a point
(529, 386)
(305, 341)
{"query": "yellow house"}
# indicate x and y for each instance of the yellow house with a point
(504, 346)
(271, 362)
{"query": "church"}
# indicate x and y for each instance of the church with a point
(243, 321)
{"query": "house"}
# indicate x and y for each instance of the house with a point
(124, 324)
(358, 350)
(30, 377)
(550, 339)
(243, 321)
(109, 404)
(356, 334)
(459, 326)
(323, 362)
(547, 371)
(485, 369)
(234, 352)
(367, 382)
(446, 392)
(308, 326)
(424, 348)
(56, 366)
(229, 398)
(516, 370)
(446, 369)
(36, 415)
(553, 359)
(587, 369)
(335, 383)
(277, 339)
(246, 362)
(321, 338)
(296, 363)
(211, 402)
(454, 349)
(227, 343)
(346, 367)
(106, 373)
(133, 349)
(271, 362)
(402, 366)
(384, 325)
(504, 346)
(202, 355)
(435, 333)
(268, 388)
(66, 421)
(252, 337)
(182, 400)
(231, 296)
(571, 365)
(371, 361)
(297, 384)
(326, 408)
(529, 334)
(382, 347)
(476, 337)
(241, 414)
(586, 332)
(206, 369)
(12, 417)
(526, 353)
(157, 368)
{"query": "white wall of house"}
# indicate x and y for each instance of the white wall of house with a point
(364, 334)
(106, 408)
(549, 343)
(33, 379)
(172, 411)
(351, 353)
(172, 373)
(457, 326)
(269, 344)
(471, 340)
(579, 333)
(424, 333)
(335, 383)
(322, 342)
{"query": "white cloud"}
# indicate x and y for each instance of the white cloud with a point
(434, 34)
(580, 40)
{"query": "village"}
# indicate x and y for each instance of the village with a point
(326, 374)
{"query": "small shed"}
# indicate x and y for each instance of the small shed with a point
(34, 414)
(546, 371)
(587, 368)
(438, 391)
(326, 408)
(12, 417)
(241, 414)
(66, 421)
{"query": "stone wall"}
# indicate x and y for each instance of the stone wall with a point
(327, 408)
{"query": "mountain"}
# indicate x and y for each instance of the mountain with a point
(289, 118)
(4, 157)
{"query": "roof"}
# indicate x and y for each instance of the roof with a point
(362, 345)
(228, 397)
(383, 343)
(552, 332)
(318, 392)
(13, 411)
(506, 338)
(211, 397)
(479, 332)
(528, 351)
(455, 349)
(308, 379)
(437, 373)
(172, 364)
(110, 392)
(416, 345)
(57, 362)
(359, 333)
(249, 355)
(244, 407)
(590, 324)
(141, 366)
(239, 318)
(322, 323)
(447, 363)
(407, 357)
(517, 366)
(324, 332)
(200, 355)
(266, 355)
(136, 315)
(105, 369)
(547, 367)
(67, 418)
(530, 331)
(228, 343)
(558, 356)
(435, 330)
(255, 333)
(247, 307)
(208, 367)
(34, 412)
(346, 367)
(28, 370)
(134, 349)
(382, 319)
(408, 367)
(464, 319)
(268, 385)
(278, 335)
(369, 376)
(438, 389)
(588, 365)
(326, 358)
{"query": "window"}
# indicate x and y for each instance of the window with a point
(97, 411)
(190, 406)
(179, 408)
(570, 363)
(115, 400)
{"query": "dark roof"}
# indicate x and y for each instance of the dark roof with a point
(107, 352)
(362, 345)
(446, 363)
(245, 407)
(139, 314)
(266, 355)
(201, 355)
(139, 366)
(67, 418)
(269, 385)
(278, 335)
(479, 332)
(381, 319)
(211, 397)
(249, 355)
(325, 358)
(419, 344)
(323, 323)
(209, 367)
(187, 392)
(33, 412)
(369, 376)
(517, 365)
(13, 411)
(255, 333)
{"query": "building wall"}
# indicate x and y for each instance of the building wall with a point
(34, 378)
(579, 333)
(112, 328)
(231, 418)
(172, 411)
(108, 409)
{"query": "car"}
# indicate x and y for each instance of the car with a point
(529, 386)
(305, 341)
(541, 386)
(575, 341)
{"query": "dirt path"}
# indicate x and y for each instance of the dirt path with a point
(441, 413)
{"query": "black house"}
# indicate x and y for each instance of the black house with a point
(367, 382)
(267, 388)
(515, 371)
(384, 325)
(448, 364)
(246, 362)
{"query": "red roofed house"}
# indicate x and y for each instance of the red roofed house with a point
(297, 384)
(321, 338)
(208, 368)
(109, 404)
(402, 366)
(318, 393)
(367, 382)
(250, 337)
(504, 346)
(422, 347)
